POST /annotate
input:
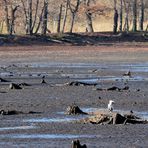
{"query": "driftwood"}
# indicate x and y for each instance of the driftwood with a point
(74, 110)
(3, 80)
(14, 86)
(113, 118)
(76, 144)
(24, 84)
(79, 83)
(114, 88)
(15, 112)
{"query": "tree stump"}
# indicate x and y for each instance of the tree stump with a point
(74, 110)
(76, 144)
(14, 86)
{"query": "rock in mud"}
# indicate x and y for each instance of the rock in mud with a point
(74, 110)
(14, 86)
(76, 144)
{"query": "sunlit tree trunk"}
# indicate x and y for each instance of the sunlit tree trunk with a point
(45, 17)
(65, 16)
(115, 26)
(134, 15)
(73, 13)
(121, 15)
(141, 19)
(59, 19)
(89, 26)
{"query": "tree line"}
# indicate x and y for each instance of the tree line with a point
(34, 16)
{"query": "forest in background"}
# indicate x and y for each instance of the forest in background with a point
(55, 16)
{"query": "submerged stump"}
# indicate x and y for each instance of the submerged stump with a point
(76, 144)
(14, 86)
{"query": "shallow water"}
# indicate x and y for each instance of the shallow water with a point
(17, 128)
(47, 136)
(51, 120)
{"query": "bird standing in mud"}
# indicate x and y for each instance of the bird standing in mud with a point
(110, 105)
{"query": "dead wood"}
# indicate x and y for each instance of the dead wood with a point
(76, 144)
(74, 110)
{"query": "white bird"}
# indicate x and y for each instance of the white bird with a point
(110, 105)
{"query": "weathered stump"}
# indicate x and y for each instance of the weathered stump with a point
(74, 110)
(113, 118)
(76, 144)
(14, 86)
(3, 80)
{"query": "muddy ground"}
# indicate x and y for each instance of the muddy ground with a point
(49, 126)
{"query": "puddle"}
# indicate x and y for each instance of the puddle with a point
(17, 128)
(47, 136)
(51, 120)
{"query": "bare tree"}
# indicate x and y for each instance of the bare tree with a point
(10, 18)
(73, 10)
(121, 15)
(45, 16)
(65, 16)
(141, 19)
(127, 8)
(88, 14)
(115, 17)
(134, 3)
(59, 19)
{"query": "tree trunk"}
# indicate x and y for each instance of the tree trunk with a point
(73, 12)
(30, 16)
(134, 15)
(89, 26)
(72, 22)
(1, 26)
(13, 11)
(59, 19)
(115, 18)
(141, 19)
(7, 16)
(126, 24)
(45, 16)
(121, 15)
(65, 17)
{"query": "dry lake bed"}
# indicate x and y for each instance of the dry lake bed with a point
(34, 115)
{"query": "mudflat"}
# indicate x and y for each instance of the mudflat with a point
(41, 120)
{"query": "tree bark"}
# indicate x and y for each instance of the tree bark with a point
(7, 16)
(121, 15)
(72, 22)
(134, 15)
(73, 13)
(115, 26)
(30, 16)
(59, 19)
(141, 19)
(45, 16)
(126, 24)
(89, 26)
(65, 17)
